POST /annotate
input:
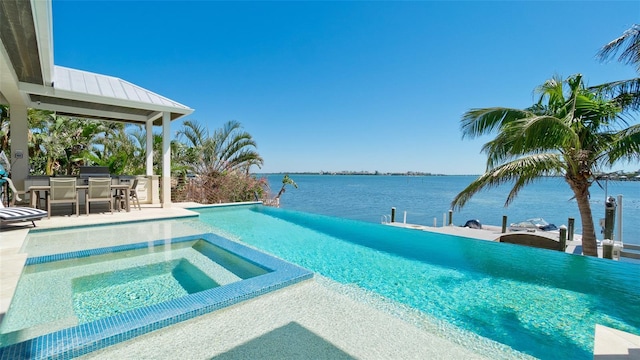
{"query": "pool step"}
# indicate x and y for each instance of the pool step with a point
(615, 344)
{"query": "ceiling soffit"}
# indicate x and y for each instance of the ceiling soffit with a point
(18, 34)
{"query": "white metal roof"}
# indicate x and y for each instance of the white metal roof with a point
(84, 82)
(85, 94)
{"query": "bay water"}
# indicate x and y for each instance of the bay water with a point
(427, 200)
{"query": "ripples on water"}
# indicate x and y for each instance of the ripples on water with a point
(425, 198)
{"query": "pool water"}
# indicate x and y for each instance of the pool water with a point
(538, 302)
(109, 293)
(53, 295)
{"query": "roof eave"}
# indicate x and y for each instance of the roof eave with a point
(43, 22)
(48, 91)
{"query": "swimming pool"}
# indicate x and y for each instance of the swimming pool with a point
(68, 304)
(539, 302)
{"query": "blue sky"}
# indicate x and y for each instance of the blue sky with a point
(332, 86)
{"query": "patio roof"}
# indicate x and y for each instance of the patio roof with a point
(28, 75)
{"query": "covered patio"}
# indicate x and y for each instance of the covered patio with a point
(29, 79)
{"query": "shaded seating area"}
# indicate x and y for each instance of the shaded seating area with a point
(18, 214)
(82, 191)
(99, 191)
(62, 191)
(532, 240)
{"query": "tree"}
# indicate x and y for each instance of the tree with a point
(286, 180)
(625, 92)
(113, 149)
(571, 131)
(220, 161)
(227, 149)
(61, 142)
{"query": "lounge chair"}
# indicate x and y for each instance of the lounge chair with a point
(15, 214)
(100, 191)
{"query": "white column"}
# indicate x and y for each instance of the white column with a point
(166, 159)
(19, 128)
(149, 129)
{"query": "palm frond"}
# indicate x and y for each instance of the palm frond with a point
(528, 136)
(627, 145)
(628, 45)
(477, 122)
(624, 93)
(194, 132)
(521, 172)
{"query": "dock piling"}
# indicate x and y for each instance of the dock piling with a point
(563, 237)
(571, 229)
(504, 224)
(609, 217)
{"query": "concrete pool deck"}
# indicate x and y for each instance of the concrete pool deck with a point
(302, 321)
(307, 320)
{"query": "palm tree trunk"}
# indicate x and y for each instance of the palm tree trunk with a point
(589, 245)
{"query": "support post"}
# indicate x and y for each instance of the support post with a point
(504, 224)
(166, 160)
(619, 238)
(393, 214)
(563, 237)
(149, 148)
(609, 217)
(607, 249)
(19, 127)
(571, 229)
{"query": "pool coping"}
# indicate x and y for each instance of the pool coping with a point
(85, 338)
(121, 222)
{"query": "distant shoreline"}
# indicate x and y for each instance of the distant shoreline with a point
(613, 177)
(332, 173)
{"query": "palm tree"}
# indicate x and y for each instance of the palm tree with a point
(228, 149)
(113, 148)
(286, 180)
(571, 132)
(625, 92)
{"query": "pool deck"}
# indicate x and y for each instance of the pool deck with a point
(307, 320)
(302, 321)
